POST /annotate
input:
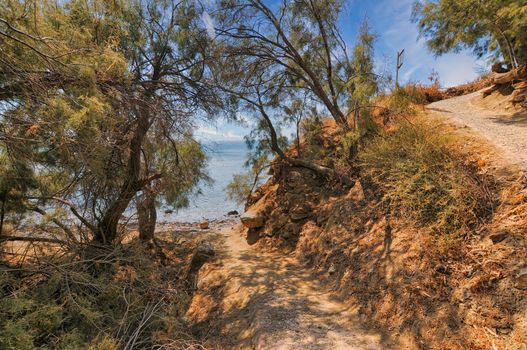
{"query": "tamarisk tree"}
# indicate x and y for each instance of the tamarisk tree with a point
(89, 92)
(495, 27)
(292, 51)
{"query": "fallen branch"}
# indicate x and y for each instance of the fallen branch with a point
(519, 73)
(32, 239)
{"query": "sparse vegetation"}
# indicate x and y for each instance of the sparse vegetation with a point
(133, 302)
(422, 175)
(99, 104)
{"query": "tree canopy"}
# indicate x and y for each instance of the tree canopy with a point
(89, 91)
(495, 27)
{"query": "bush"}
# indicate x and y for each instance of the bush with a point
(419, 171)
(129, 303)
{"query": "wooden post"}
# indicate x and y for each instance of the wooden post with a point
(400, 58)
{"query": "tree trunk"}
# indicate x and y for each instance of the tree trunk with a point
(147, 215)
(321, 170)
(2, 216)
(298, 153)
(106, 232)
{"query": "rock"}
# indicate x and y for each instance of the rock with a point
(286, 234)
(357, 192)
(521, 278)
(204, 225)
(278, 222)
(253, 236)
(290, 230)
(252, 220)
(233, 212)
(332, 269)
(254, 217)
(169, 211)
(298, 216)
(498, 236)
(299, 212)
(203, 253)
(504, 330)
(444, 269)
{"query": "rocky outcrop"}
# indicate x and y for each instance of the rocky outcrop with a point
(521, 278)
(255, 216)
(252, 220)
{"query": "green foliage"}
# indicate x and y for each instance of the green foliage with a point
(242, 185)
(403, 100)
(313, 139)
(182, 164)
(240, 188)
(421, 174)
(491, 26)
(98, 97)
(67, 307)
(363, 81)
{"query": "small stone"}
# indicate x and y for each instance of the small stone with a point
(332, 269)
(521, 278)
(504, 330)
(498, 236)
(444, 269)
(204, 225)
(299, 212)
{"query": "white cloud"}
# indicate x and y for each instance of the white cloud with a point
(207, 133)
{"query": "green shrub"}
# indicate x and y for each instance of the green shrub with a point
(64, 305)
(419, 171)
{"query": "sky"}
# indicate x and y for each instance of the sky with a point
(390, 21)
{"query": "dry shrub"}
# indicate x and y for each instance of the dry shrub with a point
(464, 89)
(418, 170)
(120, 299)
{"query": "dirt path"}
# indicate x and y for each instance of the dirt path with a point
(270, 302)
(506, 130)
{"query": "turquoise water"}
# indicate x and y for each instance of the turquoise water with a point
(226, 158)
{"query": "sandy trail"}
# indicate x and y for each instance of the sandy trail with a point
(506, 130)
(271, 302)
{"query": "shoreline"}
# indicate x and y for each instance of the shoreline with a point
(194, 226)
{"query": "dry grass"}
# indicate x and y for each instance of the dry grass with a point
(121, 298)
(421, 174)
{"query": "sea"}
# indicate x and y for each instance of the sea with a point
(226, 158)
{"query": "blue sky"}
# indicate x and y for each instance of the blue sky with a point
(390, 20)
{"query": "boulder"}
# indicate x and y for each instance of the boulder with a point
(204, 252)
(251, 219)
(204, 225)
(255, 216)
